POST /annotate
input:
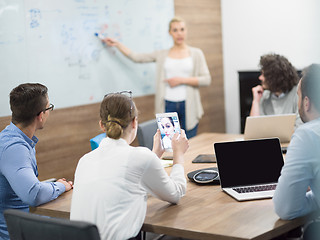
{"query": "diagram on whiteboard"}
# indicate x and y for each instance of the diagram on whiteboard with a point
(54, 42)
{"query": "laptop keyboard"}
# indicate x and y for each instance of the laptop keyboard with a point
(259, 188)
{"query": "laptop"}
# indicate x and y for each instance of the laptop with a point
(249, 169)
(280, 126)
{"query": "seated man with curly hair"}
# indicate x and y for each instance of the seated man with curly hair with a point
(277, 93)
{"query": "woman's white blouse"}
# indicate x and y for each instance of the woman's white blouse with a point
(111, 186)
(177, 68)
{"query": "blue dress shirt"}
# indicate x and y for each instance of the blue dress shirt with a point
(301, 170)
(19, 185)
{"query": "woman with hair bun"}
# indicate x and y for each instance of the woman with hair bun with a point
(112, 182)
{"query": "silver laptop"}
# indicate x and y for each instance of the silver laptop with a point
(280, 126)
(249, 169)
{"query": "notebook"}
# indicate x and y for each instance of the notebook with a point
(249, 169)
(280, 126)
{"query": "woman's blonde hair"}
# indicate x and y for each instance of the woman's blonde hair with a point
(175, 19)
(116, 112)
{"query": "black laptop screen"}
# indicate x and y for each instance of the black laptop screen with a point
(249, 162)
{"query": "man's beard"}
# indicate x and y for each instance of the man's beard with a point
(301, 113)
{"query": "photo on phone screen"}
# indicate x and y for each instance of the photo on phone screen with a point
(168, 123)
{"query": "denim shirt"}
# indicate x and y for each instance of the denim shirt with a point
(300, 172)
(19, 185)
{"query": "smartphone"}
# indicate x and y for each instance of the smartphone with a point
(168, 123)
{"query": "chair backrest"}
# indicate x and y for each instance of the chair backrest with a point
(312, 231)
(146, 131)
(27, 226)
(94, 142)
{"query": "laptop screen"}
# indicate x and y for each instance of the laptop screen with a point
(242, 163)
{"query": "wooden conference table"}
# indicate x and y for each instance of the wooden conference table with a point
(205, 212)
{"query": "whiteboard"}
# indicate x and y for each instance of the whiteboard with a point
(53, 42)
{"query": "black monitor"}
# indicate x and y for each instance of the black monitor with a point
(247, 80)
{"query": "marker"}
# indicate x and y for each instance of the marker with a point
(99, 35)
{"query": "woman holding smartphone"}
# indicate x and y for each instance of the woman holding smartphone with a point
(112, 182)
(181, 70)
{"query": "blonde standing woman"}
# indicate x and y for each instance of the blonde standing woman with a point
(180, 71)
(112, 182)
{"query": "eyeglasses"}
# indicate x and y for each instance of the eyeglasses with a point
(126, 93)
(51, 106)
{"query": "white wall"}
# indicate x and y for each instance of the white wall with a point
(251, 28)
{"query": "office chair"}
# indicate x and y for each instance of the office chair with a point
(312, 231)
(94, 142)
(146, 131)
(27, 226)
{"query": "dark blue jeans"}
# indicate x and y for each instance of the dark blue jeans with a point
(180, 108)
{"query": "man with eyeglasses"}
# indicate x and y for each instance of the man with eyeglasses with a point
(19, 184)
